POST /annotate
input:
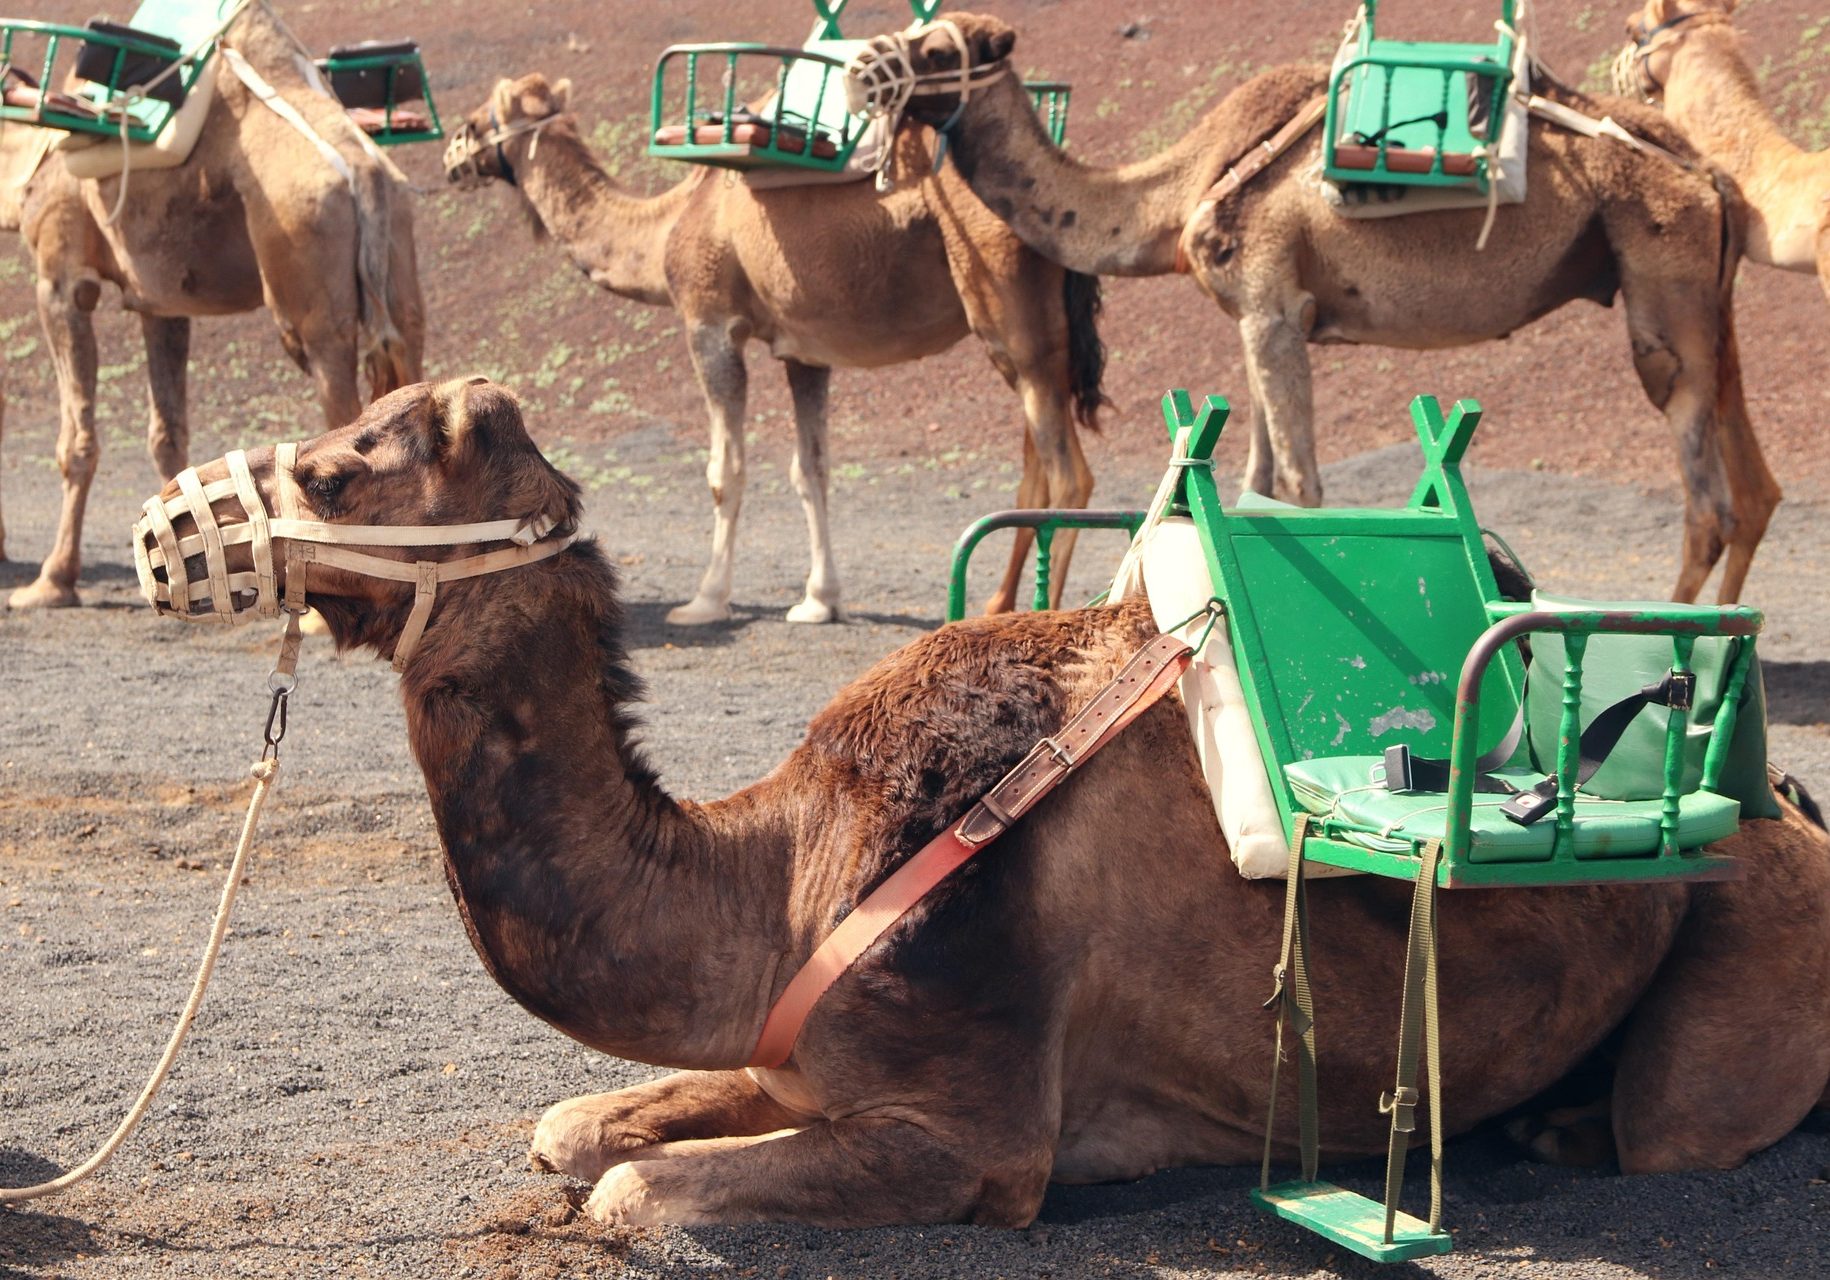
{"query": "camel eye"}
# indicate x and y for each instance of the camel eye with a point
(325, 489)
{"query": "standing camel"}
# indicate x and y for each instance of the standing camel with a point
(1600, 219)
(1080, 1003)
(829, 277)
(255, 217)
(1686, 54)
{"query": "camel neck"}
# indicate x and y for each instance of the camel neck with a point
(1712, 95)
(619, 239)
(1123, 221)
(634, 923)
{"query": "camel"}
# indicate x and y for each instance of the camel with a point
(1600, 219)
(830, 276)
(255, 217)
(1081, 1003)
(1686, 54)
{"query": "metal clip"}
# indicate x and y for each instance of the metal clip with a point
(276, 725)
(1401, 1107)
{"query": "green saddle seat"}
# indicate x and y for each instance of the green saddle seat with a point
(1345, 791)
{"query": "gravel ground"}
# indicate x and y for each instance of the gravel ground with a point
(357, 1096)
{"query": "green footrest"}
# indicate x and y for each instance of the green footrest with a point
(1351, 1220)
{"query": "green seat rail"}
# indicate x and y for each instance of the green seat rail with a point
(146, 118)
(1046, 522)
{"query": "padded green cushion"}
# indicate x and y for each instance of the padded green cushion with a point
(1342, 788)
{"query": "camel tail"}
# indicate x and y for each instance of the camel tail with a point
(1080, 296)
(388, 359)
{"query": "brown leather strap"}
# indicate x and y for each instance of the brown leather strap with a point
(1258, 159)
(1150, 674)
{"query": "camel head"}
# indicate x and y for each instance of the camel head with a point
(504, 130)
(928, 71)
(1653, 34)
(428, 477)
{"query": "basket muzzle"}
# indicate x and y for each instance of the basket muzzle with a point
(186, 572)
(881, 79)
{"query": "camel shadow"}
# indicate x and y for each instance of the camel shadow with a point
(33, 1241)
(1797, 692)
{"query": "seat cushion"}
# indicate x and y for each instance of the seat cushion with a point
(744, 134)
(1347, 790)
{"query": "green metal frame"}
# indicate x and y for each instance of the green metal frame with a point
(1439, 508)
(147, 117)
(389, 135)
(810, 116)
(1385, 63)
(1046, 522)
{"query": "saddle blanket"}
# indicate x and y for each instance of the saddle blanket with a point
(1166, 562)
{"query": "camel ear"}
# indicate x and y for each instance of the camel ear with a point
(484, 422)
(562, 94)
(502, 97)
(994, 45)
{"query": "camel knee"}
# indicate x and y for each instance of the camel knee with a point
(78, 452)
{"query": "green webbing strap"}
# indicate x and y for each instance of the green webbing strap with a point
(1417, 1023)
(1293, 1001)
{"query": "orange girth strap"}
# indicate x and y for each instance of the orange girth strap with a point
(1150, 674)
(1255, 162)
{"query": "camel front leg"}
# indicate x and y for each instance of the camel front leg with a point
(168, 357)
(860, 1171)
(1277, 374)
(1260, 476)
(64, 307)
(582, 1137)
(809, 383)
(718, 361)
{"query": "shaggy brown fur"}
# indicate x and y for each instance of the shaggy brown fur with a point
(255, 217)
(828, 276)
(1600, 219)
(969, 1057)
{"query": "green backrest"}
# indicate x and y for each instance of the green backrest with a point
(1391, 94)
(186, 21)
(1350, 626)
(815, 91)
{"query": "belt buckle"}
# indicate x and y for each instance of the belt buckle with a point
(1057, 752)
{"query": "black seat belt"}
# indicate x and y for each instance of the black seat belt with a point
(1406, 772)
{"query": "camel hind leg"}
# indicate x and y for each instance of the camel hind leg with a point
(1730, 1048)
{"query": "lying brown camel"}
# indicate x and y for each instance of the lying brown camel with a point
(256, 217)
(829, 276)
(1600, 219)
(1081, 1003)
(1686, 54)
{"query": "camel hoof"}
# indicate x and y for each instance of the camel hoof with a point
(622, 1197)
(1572, 1137)
(697, 612)
(44, 594)
(812, 611)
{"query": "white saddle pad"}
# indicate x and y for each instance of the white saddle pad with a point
(92, 155)
(1167, 562)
